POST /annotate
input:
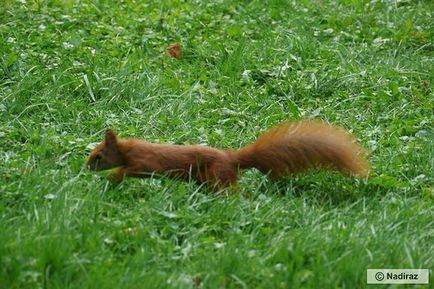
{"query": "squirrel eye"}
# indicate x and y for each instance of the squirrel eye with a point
(98, 156)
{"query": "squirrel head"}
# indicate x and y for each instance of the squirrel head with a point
(106, 155)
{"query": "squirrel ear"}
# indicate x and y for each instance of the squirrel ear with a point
(110, 138)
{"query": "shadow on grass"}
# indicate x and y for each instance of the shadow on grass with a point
(324, 187)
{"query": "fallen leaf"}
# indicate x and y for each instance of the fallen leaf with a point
(174, 50)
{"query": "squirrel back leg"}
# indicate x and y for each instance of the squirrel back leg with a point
(220, 176)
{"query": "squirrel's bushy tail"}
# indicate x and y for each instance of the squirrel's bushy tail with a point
(297, 146)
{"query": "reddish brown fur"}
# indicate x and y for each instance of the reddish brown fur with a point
(289, 148)
(297, 146)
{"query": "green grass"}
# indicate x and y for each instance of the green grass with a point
(70, 69)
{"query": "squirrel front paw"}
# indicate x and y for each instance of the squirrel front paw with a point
(116, 177)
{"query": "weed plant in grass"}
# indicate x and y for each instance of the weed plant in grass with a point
(70, 69)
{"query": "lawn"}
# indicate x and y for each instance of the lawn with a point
(71, 69)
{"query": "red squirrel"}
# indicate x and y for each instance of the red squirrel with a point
(286, 149)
